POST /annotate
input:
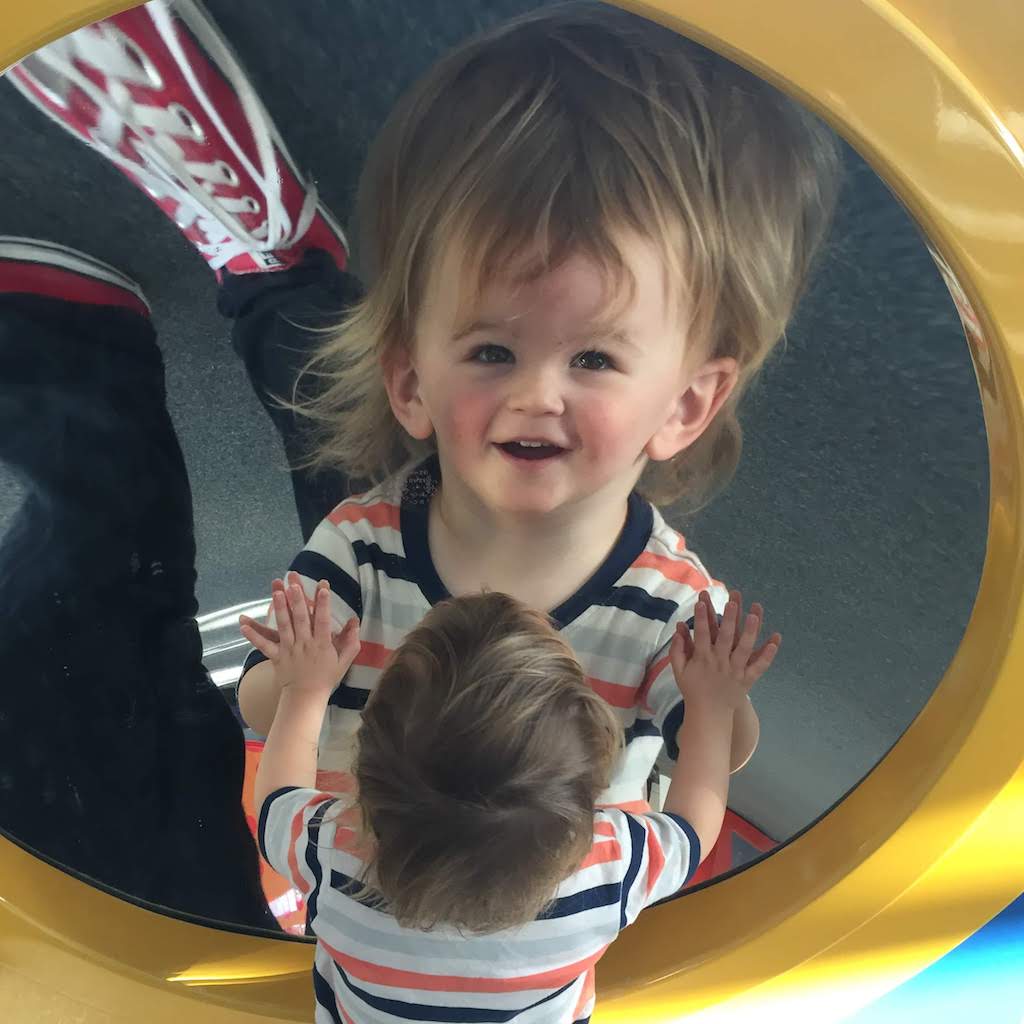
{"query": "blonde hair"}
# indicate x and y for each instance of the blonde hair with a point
(480, 754)
(550, 136)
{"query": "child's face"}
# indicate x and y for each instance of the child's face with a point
(533, 362)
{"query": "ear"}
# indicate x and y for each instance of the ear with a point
(403, 387)
(706, 392)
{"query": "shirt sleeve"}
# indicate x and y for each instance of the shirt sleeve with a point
(295, 834)
(661, 852)
(662, 701)
(329, 555)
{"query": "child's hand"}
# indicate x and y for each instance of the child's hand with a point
(261, 628)
(306, 655)
(718, 663)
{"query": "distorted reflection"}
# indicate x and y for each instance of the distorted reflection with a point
(139, 519)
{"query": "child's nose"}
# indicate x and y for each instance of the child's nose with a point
(537, 392)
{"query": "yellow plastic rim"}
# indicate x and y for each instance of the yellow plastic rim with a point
(931, 845)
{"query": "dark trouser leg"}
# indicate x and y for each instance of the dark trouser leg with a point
(272, 315)
(118, 757)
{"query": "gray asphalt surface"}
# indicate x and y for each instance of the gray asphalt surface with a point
(858, 515)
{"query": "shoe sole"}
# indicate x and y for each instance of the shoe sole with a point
(52, 254)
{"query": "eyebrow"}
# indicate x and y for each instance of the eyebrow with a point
(482, 325)
(618, 337)
(601, 335)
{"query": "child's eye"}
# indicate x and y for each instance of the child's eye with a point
(490, 354)
(593, 360)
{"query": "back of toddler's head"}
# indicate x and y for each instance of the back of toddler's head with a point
(481, 753)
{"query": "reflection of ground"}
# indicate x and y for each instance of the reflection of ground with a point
(858, 515)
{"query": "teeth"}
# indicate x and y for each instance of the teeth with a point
(530, 444)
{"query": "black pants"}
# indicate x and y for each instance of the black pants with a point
(119, 758)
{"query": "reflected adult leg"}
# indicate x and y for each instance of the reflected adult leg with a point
(275, 331)
(119, 759)
(158, 92)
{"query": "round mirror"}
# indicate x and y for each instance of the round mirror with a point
(151, 488)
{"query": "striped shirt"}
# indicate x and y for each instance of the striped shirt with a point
(370, 970)
(373, 550)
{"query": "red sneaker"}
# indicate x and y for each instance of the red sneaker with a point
(29, 266)
(158, 91)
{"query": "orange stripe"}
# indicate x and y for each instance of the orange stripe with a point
(354, 843)
(616, 694)
(630, 806)
(652, 673)
(379, 514)
(585, 996)
(372, 655)
(298, 827)
(341, 1009)
(655, 859)
(348, 833)
(605, 828)
(676, 569)
(602, 853)
(350, 836)
(395, 978)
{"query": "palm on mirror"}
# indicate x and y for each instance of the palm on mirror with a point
(309, 655)
(717, 663)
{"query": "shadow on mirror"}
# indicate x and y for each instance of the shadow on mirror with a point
(154, 484)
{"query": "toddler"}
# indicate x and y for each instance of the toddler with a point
(473, 877)
(584, 234)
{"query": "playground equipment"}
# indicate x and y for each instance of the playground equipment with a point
(905, 901)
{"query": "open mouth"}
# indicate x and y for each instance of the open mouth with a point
(531, 451)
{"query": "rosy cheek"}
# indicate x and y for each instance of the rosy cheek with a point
(469, 412)
(603, 428)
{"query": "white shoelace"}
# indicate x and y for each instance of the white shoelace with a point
(164, 171)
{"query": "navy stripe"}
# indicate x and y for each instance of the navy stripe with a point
(316, 567)
(313, 859)
(325, 996)
(638, 843)
(565, 906)
(395, 567)
(457, 1014)
(588, 899)
(694, 841)
(637, 600)
(254, 658)
(641, 727)
(264, 812)
(670, 730)
(420, 484)
(353, 698)
(629, 545)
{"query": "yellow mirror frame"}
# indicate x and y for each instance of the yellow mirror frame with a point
(930, 845)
